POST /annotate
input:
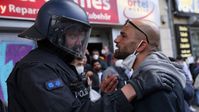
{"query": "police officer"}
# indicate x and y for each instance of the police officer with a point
(45, 81)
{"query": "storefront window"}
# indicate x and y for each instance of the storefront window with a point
(195, 41)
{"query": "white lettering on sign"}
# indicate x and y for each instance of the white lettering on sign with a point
(99, 16)
(28, 0)
(2, 9)
(107, 5)
(186, 5)
(22, 10)
(97, 4)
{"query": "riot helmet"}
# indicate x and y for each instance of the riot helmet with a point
(64, 23)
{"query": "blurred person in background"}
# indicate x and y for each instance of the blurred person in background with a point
(96, 56)
(97, 75)
(196, 83)
(188, 91)
(185, 67)
(196, 69)
(107, 55)
(78, 63)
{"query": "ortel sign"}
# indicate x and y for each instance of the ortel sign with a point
(138, 9)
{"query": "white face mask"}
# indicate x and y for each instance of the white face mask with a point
(95, 57)
(103, 51)
(80, 69)
(130, 60)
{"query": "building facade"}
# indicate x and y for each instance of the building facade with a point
(186, 27)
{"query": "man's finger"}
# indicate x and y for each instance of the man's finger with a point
(107, 84)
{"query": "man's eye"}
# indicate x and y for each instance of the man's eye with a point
(72, 36)
(123, 35)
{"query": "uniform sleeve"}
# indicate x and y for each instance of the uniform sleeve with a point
(38, 98)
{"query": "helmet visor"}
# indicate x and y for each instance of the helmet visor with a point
(76, 39)
(69, 35)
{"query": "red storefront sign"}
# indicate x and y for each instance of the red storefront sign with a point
(99, 11)
(20, 9)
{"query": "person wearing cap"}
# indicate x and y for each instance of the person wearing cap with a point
(46, 81)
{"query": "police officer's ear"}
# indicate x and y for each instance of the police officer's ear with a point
(143, 45)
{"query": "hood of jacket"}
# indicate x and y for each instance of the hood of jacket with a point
(158, 61)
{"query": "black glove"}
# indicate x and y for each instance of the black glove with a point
(147, 83)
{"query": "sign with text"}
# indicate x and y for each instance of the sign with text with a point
(138, 10)
(188, 6)
(20, 9)
(99, 11)
(183, 41)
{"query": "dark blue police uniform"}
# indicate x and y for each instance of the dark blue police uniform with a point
(43, 82)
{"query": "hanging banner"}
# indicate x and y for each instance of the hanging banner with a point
(99, 11)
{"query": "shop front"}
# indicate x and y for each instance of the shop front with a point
(186, 25)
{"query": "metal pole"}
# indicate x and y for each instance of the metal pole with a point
(171, 25)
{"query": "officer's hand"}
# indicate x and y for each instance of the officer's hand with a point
(145, 84)
(109, 84)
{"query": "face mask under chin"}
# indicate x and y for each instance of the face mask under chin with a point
(130, 60)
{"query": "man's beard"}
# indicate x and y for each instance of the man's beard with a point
(120, 55)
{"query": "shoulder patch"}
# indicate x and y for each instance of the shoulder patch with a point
(54, 84)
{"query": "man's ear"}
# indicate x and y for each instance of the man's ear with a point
(142, 46)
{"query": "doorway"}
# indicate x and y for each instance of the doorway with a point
(94, 46)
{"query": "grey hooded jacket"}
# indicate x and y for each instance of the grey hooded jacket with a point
(158, 61)
(161, 100)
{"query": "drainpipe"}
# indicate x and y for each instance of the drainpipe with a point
(171, 26)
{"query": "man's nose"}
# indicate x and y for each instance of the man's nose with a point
(78, 41)
(116, 39)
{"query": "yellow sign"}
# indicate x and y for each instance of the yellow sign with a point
(183, 42)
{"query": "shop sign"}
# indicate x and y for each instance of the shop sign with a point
(138, 9)
(183, 41)
(20, 9)
(188, 6)
(99, 11)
